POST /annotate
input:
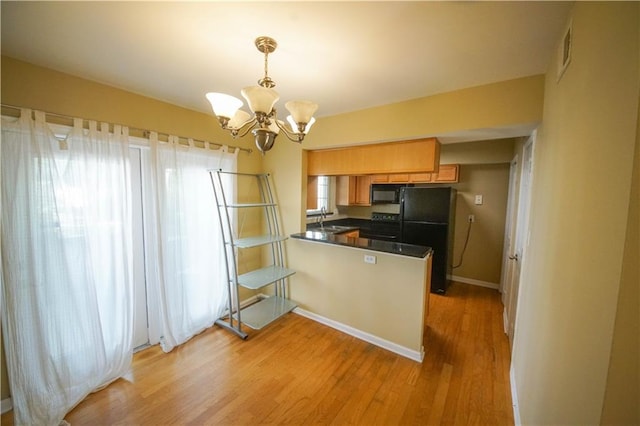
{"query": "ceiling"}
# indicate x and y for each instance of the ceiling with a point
(345, 56)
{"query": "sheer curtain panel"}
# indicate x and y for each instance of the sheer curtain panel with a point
(66, 259)
(190, 259)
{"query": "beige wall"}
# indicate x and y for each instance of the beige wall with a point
(500, 105)
(483, 258)
(478, 152)
(572, 270)
(622, 396)
(385, 299)
(35, 87)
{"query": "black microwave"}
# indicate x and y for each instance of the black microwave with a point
(386, 193)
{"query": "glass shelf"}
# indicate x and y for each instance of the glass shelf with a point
(258, 241)
(243, 205)
(265, 276)
(265, 311)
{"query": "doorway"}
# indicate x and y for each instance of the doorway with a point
(516, 233)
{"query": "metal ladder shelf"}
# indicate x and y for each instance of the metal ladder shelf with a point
(267, 310)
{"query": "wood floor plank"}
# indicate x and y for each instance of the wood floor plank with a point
(297, 371)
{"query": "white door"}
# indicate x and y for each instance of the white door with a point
(140, 321)
(516, 255)
(509, 238)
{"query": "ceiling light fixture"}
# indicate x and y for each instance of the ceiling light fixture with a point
(261, 100)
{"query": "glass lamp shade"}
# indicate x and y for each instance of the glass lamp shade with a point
(239, 119)
(295, 127)
(302, 111)
(223, 105)
(264, 139)
(260, 99)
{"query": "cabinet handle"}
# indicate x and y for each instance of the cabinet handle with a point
(514, 257)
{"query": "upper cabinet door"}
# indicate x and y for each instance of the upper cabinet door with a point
(418, 156)
(312, 192)
(448, 173)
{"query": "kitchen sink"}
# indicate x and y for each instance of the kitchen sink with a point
(332, 229)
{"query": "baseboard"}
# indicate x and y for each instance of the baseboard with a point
(359, 334)
(251, 300)
(514, 398)
(472, 281)
(505, 321)
(6, 405)
(246, 302)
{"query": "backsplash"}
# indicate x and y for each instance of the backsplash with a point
(364, 212)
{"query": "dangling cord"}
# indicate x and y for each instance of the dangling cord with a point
(464, 248)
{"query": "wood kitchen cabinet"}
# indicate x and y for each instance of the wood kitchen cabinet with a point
(421, 177)
(363, 190)
(353, 190)
(379, 178)
(447, 173)
(399, 177)
(416, 156)
(352, 234)
(312, 192)
(345, 190)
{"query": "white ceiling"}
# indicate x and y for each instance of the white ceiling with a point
(344, 55)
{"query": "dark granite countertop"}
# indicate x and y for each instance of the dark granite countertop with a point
(365, 243)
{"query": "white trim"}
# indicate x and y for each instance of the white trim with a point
(505, 321)
(362, 335)
(250, 301)
(6, 405)
(472, 281)
(514, 398)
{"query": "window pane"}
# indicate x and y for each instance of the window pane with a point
(323, 192)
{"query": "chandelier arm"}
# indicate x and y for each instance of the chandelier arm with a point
(247, 127)
(293, 137)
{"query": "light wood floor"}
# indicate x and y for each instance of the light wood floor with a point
(297, 371)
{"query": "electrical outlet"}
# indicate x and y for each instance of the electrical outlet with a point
(369, 259)
(472, 218)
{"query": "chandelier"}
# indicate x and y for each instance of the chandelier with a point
(261, 100)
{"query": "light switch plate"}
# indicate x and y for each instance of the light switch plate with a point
(478, 200)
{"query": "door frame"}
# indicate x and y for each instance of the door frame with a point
(509, 236)
(514, 255)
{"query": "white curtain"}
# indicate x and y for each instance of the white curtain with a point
(191, 269)
(66, 258)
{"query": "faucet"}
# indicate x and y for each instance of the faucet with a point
(323, 216)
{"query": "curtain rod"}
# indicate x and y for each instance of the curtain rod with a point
(145, 132)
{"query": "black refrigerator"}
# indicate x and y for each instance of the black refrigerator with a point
(427, 218)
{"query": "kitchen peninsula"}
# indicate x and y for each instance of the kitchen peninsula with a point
(375, 290)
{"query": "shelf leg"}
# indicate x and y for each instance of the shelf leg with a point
(227, 326)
